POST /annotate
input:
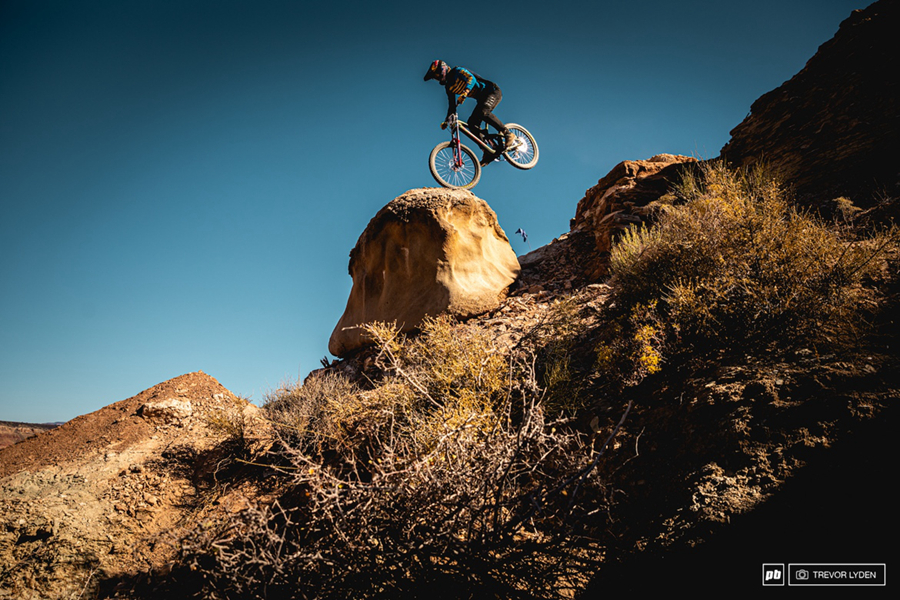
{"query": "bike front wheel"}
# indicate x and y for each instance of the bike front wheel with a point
(450, 172)
(525, 154)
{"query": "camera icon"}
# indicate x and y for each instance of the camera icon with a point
(802, 575)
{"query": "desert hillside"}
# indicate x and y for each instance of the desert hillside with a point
(698, 378)
(100, 493)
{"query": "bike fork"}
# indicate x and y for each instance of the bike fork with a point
(457, 149)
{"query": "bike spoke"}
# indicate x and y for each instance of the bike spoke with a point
(449, 170)
(454, 165)
(524, 152)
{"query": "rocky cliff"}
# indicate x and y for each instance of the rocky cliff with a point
(833, 127)
(621, 199)
(830, 131)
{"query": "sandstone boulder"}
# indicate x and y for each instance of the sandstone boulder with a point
(428, 252)
(622, 198)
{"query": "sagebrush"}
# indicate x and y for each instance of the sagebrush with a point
(735, 265)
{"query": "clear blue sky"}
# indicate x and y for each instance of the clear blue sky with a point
(181, 181)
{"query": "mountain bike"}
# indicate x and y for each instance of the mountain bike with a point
(454, 165)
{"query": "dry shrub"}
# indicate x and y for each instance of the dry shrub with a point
(445, 474)
(230, 421)
(632, 345)
(463, 374)
(313, 415)
(735, 266)
(555, 338)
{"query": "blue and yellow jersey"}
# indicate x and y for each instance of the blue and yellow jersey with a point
(460, 80)
(463, 82)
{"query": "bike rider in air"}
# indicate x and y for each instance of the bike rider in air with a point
(461, 84)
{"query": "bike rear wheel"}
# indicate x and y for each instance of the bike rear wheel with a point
(525, 155)
(451, 173)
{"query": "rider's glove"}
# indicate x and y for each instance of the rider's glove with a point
(444, 125)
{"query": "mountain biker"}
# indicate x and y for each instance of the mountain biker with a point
(461, 84)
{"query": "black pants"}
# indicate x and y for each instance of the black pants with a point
(483, 112)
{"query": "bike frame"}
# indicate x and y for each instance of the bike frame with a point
(455, 165)
(457, 126)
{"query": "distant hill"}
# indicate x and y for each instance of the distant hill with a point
(12, 432)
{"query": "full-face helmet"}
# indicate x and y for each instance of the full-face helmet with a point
(437, 70)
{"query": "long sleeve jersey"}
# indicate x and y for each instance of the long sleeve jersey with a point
(462, 82)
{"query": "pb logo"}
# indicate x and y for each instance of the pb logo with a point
(773, 574)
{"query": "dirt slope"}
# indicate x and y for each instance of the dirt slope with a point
(718, 468)
(728, 462)
(82, 501)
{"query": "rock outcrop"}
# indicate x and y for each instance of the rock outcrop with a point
(833, 128)
(167, 412)
(428, 252)
(829, 131)
(620, 199)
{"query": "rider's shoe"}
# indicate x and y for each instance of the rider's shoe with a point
(511, 140)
